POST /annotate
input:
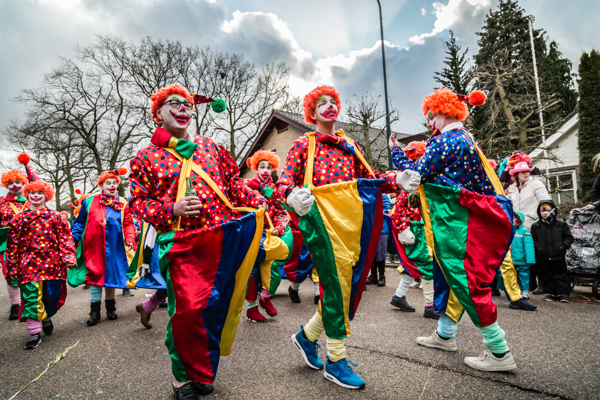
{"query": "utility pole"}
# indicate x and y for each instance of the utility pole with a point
(387, 107)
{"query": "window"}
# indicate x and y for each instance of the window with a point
(563, 187)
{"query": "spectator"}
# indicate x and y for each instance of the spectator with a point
(379, 261)
(595, 187)
(551, 239)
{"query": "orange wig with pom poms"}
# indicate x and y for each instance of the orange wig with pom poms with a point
(77, 205)
(310, 101)
(414, 150)
(263, 155)
(13, 175)
(161, 95)
(39, 186)
(451, 104)
(111, 175)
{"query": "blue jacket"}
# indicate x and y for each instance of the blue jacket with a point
(522, 249)
(387, 206)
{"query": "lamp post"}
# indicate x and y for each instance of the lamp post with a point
(387, 107)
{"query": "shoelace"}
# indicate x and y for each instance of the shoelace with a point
(485, 355)
(346, 365)
(315, 346)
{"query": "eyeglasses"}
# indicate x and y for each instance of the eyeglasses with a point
(176, 104)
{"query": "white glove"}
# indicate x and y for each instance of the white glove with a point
(406, 237)
(408, 180)
(301, 200)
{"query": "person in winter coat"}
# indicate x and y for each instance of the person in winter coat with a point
(379, 261)
(552, 238)
(595, 187)
(526, 193)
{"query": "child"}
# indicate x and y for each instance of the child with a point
(551, 239)
(40, 249)
(523, 255)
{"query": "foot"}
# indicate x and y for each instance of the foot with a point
(371, 280)
(127, 292)
(308, 349)
(111, 307)
(48, 327)
(402, 304)
(144, 316)
(268, 306)
(525, 294)
(550, 297)
(94, 314)
(341, 372)
(436, 342)
(185, 392)
(14, 312)
(202, 389)
(163, 304)
(86, 287)
(488, 362)
(495, 292)
(33, 341)
(414, 285)
(521, 304)
(294, 295)
(253, 315)
(318, 297)
(562, 298)
(430, 313)
(539, 290)
(381, 282)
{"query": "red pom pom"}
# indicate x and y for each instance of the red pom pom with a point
(77, 191)
(493, 163)
(24, 158)
(477, 98)
(122, 171)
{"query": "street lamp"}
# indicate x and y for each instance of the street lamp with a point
(387, 107)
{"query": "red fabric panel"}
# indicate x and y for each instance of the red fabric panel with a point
(291, 267)
(407, 264)
(251, 291)
(94, 249)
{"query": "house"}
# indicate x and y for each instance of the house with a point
(562, 162)
(283, 128)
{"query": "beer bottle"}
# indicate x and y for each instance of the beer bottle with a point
(190, 191)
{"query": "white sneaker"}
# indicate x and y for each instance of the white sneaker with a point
(436, 342)
(525, 294)
(414, 285)
(488, 362)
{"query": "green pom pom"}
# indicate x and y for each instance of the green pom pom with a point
(218, 105)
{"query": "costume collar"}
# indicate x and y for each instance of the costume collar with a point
(112, 202)
(336, 140)
(164, 138)
(454, 125)
(12, 197)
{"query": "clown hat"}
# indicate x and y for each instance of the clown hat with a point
(520, 167)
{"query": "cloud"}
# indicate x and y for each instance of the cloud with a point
(423, 11)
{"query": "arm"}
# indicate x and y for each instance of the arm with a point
(293, 172)
(66, 245)
(12, 247)
(568, 238)
(279, 217)
(387, 204)
(79, 224)
(236, 188)
(529, 249)
(429, 165)
(128, 226)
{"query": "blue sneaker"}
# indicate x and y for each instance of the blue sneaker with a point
(341, 372)
(308, 349)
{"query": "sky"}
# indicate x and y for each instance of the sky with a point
(335, 42)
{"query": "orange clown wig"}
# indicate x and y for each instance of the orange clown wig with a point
(263, 155)
(414, 150)
(77, 205)
(310, 101)
(161, 95)
(446, 102)
(111, 175)
(12, 176)
(39, 186)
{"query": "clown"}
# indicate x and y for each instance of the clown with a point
(328, 184)
(468, 224)
(10, 205)
(187, 196)
(104, 235)
(40, 249)
(264, 162)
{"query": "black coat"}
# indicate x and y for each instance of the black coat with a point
(550, 240)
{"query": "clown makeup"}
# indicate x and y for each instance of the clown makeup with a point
(436, 121)
(176, 115)
(264, 171)
(15, 187)
(326, 109)
(37, 200)
(109, 187)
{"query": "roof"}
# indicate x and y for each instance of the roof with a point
(280, 118)
(565, 126)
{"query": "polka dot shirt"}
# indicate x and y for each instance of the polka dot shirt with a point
(6, 210)
(403, 212)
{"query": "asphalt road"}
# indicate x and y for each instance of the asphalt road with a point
(556, 348)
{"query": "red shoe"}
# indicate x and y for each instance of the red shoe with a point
(268, 306)
(253, 315)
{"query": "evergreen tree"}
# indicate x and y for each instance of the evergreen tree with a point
(504, 42)
(589, 125)
(455, 76)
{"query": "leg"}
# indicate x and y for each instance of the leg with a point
(497, 356)
(252, 312)
(563, 283)
(265, 302)
(428, 295)
(34, 328)
(380, 257)
(399, 299)
(146, 308)
(444, 336)
(96, 298)
(109, 302)
(306, 341)
(14, 295)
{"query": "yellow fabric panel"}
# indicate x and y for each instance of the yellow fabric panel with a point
(400, 269)
(275, 249)
(509, 275)
(133, 281)
(42, 315)
(315, 275)
(454, 309)
(489, 171)
(337, 204)
(239, 291)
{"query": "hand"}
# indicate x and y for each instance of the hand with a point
(277, 232)
(189, 205)
(12, 277)
(589, 207)
(406, 237)
(393, 142)
(264, 205)
(301, 200)
(408, 180)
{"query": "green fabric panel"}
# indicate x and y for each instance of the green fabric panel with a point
(3, 238)
(267, 192)
(317, 239)
(449, 222)
(275, 278)
(29, 296)
(138, 253)
(418, 252)
(185, 148)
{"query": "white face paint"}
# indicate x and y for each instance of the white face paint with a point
(176, 119)
(109, 187)
(264, 170)
(37, 199)
(15, 187)
(436, 121)
(326, 109)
